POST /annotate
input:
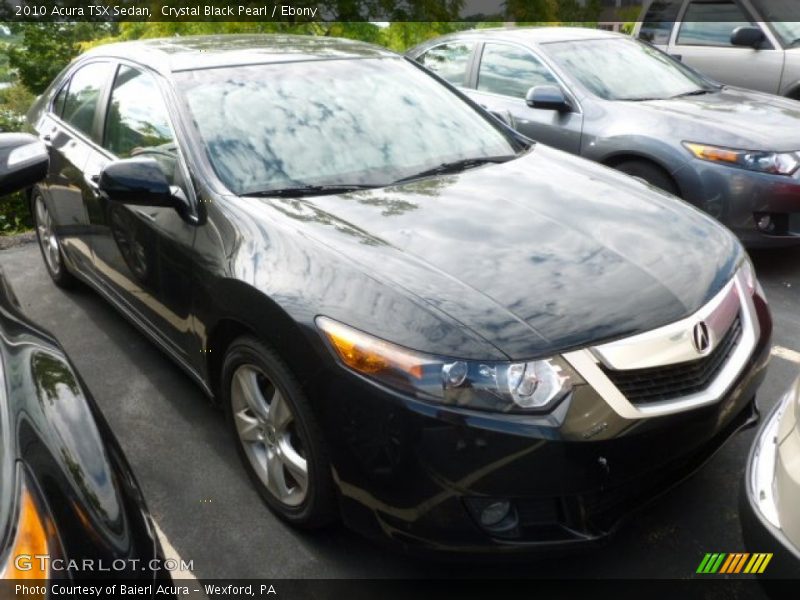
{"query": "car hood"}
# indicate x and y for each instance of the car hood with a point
(541, 254)
(732, 117)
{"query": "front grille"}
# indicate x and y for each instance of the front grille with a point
(656, 384)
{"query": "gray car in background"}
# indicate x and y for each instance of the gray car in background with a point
(750, 43)
(612, 99)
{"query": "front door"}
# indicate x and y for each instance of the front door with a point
(703, 41)
(505, 75)
(142, 254)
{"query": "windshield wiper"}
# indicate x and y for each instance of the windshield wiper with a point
(309, 190)
(456, 166)
(700, 92)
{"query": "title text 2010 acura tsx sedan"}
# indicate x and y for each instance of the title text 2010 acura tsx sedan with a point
(415, 318)
(734, 153)
(70, 508)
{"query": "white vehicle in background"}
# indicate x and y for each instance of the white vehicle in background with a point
(747, 43)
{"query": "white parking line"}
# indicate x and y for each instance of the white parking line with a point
(786, 354)
(171, 553)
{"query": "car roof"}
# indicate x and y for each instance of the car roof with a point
(182, 53)
(533, 35)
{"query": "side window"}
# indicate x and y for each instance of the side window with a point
(511, 71)
(711, 23)
(659, 20)
(137, 121)
(58, 101)
(83, 95)
(449, 61)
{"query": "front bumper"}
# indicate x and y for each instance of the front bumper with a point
(418, 474)
(737, 198)
(761, 516)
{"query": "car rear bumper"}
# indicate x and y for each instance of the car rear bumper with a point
(419, 475)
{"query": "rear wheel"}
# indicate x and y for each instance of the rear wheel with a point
(649, 173)
(277, 436)
(49, 243)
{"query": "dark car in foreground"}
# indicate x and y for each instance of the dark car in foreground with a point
(415, 318)
(770, 500)
(734, 153)
(70, 508)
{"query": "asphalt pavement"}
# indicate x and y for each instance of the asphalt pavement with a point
(208, 513)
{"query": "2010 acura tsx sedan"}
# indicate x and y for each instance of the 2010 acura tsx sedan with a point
(416, 319)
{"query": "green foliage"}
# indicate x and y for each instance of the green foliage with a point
(14, 214)
(46, 48)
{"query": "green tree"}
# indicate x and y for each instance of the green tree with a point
(46, 48)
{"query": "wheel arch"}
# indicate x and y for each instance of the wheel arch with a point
(617, 158)
(268, 322)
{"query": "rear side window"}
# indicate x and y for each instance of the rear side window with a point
(83, 96)
(659, 20)
(449, 61)
(711, 23)
(511, 71)
(58, 101)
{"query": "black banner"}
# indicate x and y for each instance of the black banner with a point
(338, 589)
(305, 11)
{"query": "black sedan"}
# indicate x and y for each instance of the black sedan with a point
(415, 319)
(70, 508)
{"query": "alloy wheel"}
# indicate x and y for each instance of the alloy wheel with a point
(47, 237)
(266, 428)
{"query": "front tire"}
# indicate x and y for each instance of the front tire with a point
(649, 173)
(49, 243)
(277, 435)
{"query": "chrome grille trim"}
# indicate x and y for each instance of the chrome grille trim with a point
(587, 362)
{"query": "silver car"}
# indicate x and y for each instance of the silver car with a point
(771, 501)
(609, 98)
(750, 43)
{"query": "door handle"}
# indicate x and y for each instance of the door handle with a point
(93, 182)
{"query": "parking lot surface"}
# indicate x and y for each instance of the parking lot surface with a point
(204, 505)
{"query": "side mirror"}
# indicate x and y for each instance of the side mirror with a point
(748, 36)
(138, 181)
(548, 97)
(24, 161)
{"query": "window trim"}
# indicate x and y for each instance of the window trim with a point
(571, 96)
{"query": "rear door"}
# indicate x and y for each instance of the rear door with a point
(142, 254)
(69, 128)
(702, 40)
(505, 74)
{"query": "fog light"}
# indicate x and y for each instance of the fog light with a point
(495, 512)
(765, 223)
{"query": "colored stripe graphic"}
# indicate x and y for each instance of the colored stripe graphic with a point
(734, 563)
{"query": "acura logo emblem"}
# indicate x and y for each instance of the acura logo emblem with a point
(701, 338)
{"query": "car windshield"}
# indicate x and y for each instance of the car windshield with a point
(357, 122)
(624, 69)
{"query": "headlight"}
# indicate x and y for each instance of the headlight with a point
(525, 386)
(34, 537)
(777, 163)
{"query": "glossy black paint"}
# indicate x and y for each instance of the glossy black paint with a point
(54, 434)
(542, 254)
